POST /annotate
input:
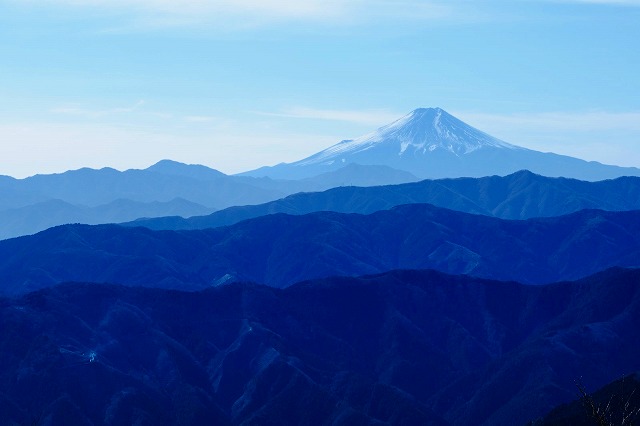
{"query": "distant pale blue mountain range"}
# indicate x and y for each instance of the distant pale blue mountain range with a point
(167, 188)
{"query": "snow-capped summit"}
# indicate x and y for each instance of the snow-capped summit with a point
(431, 143)
(420, 132)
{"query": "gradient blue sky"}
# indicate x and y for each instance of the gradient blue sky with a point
(236, 84)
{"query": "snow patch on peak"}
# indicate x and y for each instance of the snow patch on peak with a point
(436, 122)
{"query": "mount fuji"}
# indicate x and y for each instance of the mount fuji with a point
(431, 143)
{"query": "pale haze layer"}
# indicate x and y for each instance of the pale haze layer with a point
(242, 84)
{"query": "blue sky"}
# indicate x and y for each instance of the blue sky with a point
(236, 84)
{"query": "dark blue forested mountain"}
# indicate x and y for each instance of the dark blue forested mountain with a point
(431, 143)
(404, 347)
(521, 195)
(280, 250)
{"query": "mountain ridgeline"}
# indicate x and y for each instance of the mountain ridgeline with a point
(279, 250)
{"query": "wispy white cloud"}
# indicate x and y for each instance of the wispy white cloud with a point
(200, 118)
(285, 8)
(93, 113)
(156, 14)
(167, 13)
(132, 108)
(367, 117)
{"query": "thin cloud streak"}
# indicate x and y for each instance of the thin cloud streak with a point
(90, 113)
(245, 14)
(373, 118)
(200, 119)
(284, 8)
